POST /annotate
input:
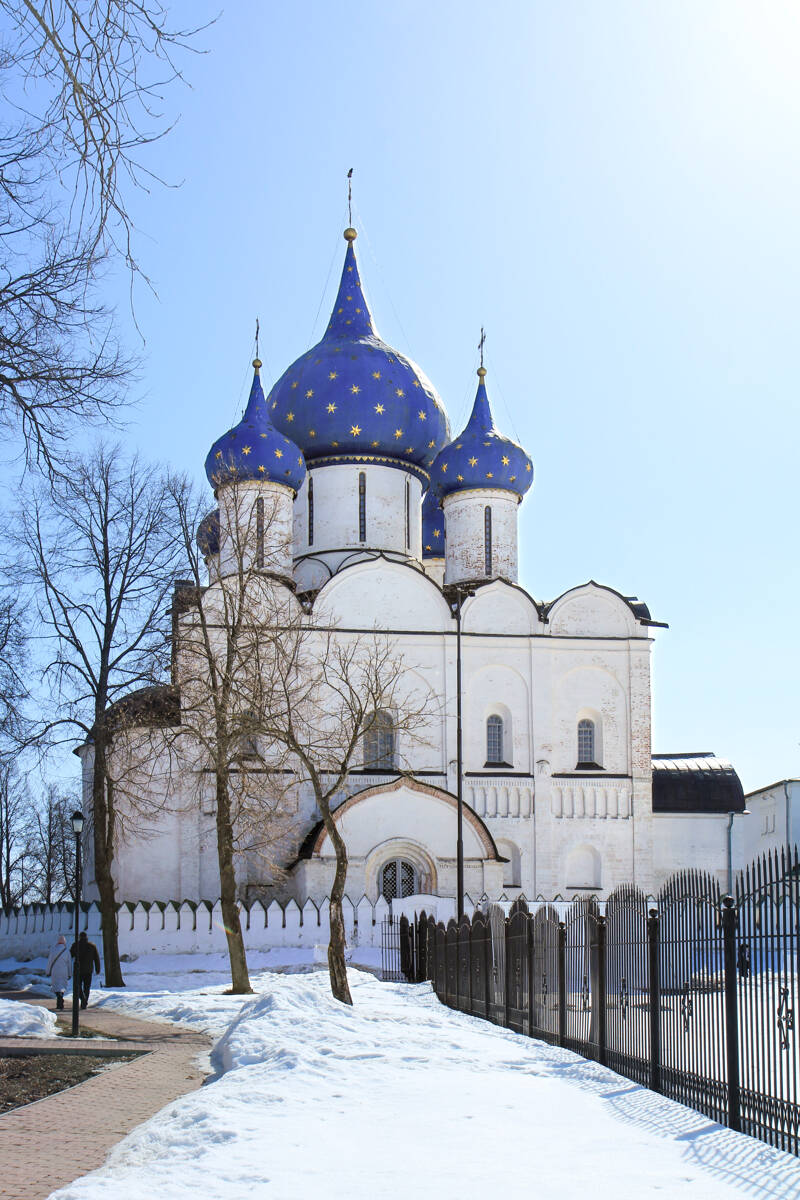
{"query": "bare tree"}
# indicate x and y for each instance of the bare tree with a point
(81, 83)
(219, 649)
(324, 693)
(254, 666)
(15, 810)
(101, 556)
(50, 846)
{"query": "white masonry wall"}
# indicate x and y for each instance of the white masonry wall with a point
(465, 516)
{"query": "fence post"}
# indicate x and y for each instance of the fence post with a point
(529, 924)
(487, 963)
(406, 950)
(601, 990)
(654, 979)
(562, 983)
(730, 921)
(506, 964)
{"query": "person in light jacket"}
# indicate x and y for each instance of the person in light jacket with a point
(59, 968)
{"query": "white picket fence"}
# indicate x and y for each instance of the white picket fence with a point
(30, 930)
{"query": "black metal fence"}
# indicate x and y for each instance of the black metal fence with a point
(690, 993)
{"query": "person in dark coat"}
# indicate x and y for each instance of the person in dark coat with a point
(88, 960)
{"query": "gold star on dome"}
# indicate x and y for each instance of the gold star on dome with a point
(309, 393)
(334, 443)
(504, 460)
(409, 449)
(376, 374)
(218, 454)
(262, 469)
(398, 433)
(379, 409)
(527, 466)
(355, 389)
(358, 310)
(333, 374)
(294, 385)
(399, 392)
(348, 297)
(349, 268)
(473, 462)
(423, 416)
(331, 408)
(460, 478)
(279, 454)
(511, 478)
(290, 416)
(437, 533)
(246, 449)
(312, 433)
(487, 443)
(274, 404)
(416, 383)
(355, 430)
(444, 468)
(429, 547)
(299, 460)
(489, 475)
(431, 443)
(374, 443)
(262, 435)
(348, 322)
(340, 310)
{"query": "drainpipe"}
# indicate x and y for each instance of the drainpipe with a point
(730, 852)
(787, 807)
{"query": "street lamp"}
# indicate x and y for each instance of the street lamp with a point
(461, 593)
(77, 828)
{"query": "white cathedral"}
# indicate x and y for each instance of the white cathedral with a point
(393, 525)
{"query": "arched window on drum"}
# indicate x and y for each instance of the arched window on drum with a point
(379, 742)
(398, 880)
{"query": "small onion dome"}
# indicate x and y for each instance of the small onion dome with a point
(208, 534)
(481, 457)
(254, 449)
(352, 398)
(432, 526)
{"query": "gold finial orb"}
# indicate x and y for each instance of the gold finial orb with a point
(257, 363)
(482, 372)
(350, 234)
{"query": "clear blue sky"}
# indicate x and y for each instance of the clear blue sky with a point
(613, 190)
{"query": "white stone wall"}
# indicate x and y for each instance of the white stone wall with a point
(239, 527)
(336, 518)
(772, 822)
(465, 557)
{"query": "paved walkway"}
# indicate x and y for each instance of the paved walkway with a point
(51, 1142)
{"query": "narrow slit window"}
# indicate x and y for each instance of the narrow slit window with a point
(310, 511)
(586, 741)
(494, 739)
(362, 507)
(260, 533)
(487, 541)
(408, 515)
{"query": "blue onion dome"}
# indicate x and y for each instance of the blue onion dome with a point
(207, 536)
(432, 525)
(481, 457)
(352, 398)
(255, 449)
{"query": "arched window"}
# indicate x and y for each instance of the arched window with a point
(494, 739)
(586, 747)
(310, 511)
(362, 507)
(398, 880)
(379, 742)
(260, 533)
(487, 540)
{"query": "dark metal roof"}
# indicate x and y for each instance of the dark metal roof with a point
(697, 783)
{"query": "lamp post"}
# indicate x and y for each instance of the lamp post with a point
(77, 827)
(460, 594)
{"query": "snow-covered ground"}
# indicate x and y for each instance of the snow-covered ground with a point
(396, 1096)
(26, 1020)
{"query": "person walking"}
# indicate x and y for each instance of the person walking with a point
(88, 960)
(59, 968)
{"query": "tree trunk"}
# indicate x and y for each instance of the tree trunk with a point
(240, 978)
(103, 852)
(337, 965)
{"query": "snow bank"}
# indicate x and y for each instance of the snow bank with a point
(26, 1020)
(399, 1095)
